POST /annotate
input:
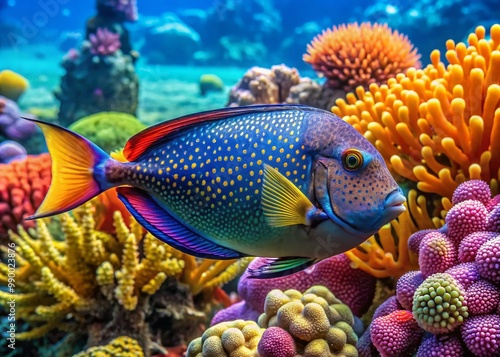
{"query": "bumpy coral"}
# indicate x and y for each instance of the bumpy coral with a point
(386, 254)
(23, 185)
(104, 42)
(12, 84)
(11, 150)
(481, 335)
(358, 55)
(235, 338)
(12, 125)
(439, 304)
(109, 130)
(264, 86)
(121, 346)
(316, 317)
(276, 342)
(396, 334)
(437, 126)
(463, 298)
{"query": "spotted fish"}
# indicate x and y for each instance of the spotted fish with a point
(292, 183)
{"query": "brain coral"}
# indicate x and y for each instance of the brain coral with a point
(358, 55)
(440, 125)
(455, 303)
(109, 130)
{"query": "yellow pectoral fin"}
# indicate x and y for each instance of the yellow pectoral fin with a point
(283, 203)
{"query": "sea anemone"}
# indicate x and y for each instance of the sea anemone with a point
(104, 42)
(358, 55)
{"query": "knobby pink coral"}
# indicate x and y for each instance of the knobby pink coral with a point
(104, 42)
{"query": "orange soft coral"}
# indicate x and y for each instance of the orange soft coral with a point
(23, 185)
(441, 125)
(352, 55)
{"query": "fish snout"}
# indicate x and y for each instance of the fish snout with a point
(394, 203)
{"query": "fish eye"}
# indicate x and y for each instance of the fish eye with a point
(352, 159)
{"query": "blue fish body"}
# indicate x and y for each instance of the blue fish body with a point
(274, 181)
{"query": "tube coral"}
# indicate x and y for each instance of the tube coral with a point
(358, 55)
(438, 126)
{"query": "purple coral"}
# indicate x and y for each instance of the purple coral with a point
(488, 260)
(464, 218)
(276, 342)
(406, 287)
(445, 345)
(483, 298)
(477, 190)
(481, 335)
(437, 253)
(124, 9)
(104, 42)
(465, 274)
(11, 150)
(11, 124)
(470, 245)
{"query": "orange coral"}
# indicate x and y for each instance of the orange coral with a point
(352, 55)
(23, 185)
(386, 254)
(441, 125)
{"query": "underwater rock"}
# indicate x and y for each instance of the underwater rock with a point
(105, 83)
(170, 42)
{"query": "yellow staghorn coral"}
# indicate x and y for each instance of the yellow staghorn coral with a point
(386, 254)
(438, 126)
(92, 279)
(121, 346)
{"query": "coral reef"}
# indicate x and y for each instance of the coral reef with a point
(264, 86)
(456, 294)
(355, 55)
(11, 150)
(121, 10)
(210, 83)
(121, 346)
(353, 286)
(437, 126)
(313, 323)
(12, 125)
(23, 185)
(104, 42)
(109, 130)
(12, 84)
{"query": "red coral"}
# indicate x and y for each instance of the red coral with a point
(23, 185)
(396, 334)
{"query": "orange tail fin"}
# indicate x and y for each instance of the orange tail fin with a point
(77, 170)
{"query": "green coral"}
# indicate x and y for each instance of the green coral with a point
(109, 130)
(210, 83)
(234, 338)
(439, 304)
(316, 317)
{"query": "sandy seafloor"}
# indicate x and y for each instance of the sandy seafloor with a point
(165, 92)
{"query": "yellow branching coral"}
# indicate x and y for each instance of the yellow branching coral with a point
(386, 254)
(441, 125)
(86, 276)
(121, 346)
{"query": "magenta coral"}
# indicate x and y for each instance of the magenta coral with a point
(481, 335)
(493, 224)
(240, 310)
(465, 218)
(437, 253)
(276, 342)
(387, 307)
(488, 260)
(465, 274)
(445, 345)
(396, 334)
(416, 238)
(477, 190)
(482, 298)
(406, 287)
(11, 124)
(353, 287)
(104, 42)
(470, 245)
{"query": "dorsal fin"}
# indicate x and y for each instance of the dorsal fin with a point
(142, 141)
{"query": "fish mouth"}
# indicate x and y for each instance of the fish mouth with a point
(394, 205)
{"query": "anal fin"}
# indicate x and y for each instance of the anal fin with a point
(168, 229)
(275, 268)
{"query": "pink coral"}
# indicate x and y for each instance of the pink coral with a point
(482, 298)
(416, 238)
(387, 307)
(470, 245)
(465, 274)
(396, 334)
(481, 335)
(437, 253)
(353, 287)
(493, 203)
(406, 287)
(493, 219)
(104, 42)
(488, 260)
(444, 345)
(465, 218)
(276, 342)
(474, 190)
(240, 310)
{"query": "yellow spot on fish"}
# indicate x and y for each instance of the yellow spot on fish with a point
(137, 167)
(162, 162)
(145, 170)
(186, 167)
(229, 171)
(217, 179)
(181, 161)
(160, 171)
(175, 166)
(248, 197)
(153, 179)
(240, 177)
(176, 176)
(251, 173)
(270, 158)
(259, 162)
(193, 165)
(231, 194)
